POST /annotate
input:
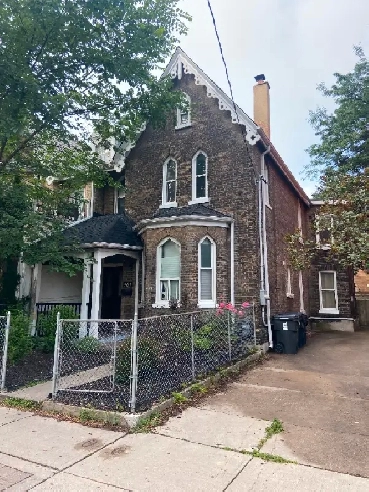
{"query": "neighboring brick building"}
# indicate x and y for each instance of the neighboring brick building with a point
(209, 201)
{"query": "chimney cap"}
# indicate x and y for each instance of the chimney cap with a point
(260, 77)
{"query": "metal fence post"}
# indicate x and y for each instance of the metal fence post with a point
(114, 356)
(229, 336)
(134, 368)
(192, 349)
(56, 356)
(5, 351)
(254, 321)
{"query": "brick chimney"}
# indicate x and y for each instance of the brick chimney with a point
(262, 103)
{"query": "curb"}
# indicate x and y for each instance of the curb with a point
(128, 420)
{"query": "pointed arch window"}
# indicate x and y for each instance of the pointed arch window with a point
(200, 178)
(169, 192)
(168, 272)
(207, 273)
(184, 115)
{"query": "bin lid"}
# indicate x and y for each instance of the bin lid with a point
(293, 316)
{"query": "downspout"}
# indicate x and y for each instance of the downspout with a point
(264, 272)
(232, 264)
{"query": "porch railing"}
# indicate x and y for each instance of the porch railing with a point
(45, 307)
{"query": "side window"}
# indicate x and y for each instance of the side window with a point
(184, 115)
(328, 292)
(169, 192)
(324, 226)
(120, 197)
(200, 178)
(168, 273)
(207, 274)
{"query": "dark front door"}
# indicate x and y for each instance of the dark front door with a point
(111, 286)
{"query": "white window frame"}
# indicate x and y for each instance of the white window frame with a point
(323, 310)
(164, 202)
(159, 303)
(318, 241)
(179, 124)
(203, 199)
(289, 284)
(208, 303)
(116, 198)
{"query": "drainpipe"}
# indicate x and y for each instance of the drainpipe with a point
(232, 264)
(264, 271)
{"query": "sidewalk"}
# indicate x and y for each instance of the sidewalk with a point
(321, 396)
(42, 454)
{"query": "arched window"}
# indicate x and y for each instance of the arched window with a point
(200, 178)
(168, 272)
(207, 273)
(169, 193)
(184, 115)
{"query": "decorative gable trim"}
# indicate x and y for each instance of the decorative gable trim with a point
(181, 63)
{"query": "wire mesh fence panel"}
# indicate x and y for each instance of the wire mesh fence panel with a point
(242, 334)
(211, 341)
(164, 357)
(86, 354)
(3, 349)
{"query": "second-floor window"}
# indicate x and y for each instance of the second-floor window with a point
(120, 198)
(324, 227)
(184, 115)
(200, 177)
(169, 193)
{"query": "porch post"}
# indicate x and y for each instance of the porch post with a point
(35, 293)
(86, 287)
(95, 309)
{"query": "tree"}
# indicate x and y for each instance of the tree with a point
(69, 68)
(340, 160)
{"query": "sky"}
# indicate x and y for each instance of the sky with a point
(296, 43)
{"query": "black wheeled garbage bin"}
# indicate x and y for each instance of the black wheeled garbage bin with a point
(286, 333)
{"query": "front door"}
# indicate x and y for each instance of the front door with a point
(111, 287)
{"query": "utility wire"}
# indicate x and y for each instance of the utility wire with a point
(244, 134)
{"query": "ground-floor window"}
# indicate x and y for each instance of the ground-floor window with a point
(207, 278)
(169, 272)
(328, 292)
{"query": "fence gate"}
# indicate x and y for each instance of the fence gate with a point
(85, 354)
(4, 338)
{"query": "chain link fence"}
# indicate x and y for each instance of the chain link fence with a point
(131, 364)
(4, 339)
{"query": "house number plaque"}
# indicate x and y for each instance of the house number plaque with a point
(127, 289)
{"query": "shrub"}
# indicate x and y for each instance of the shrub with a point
(20, 340)
(46, 327)
(88, 345)
(148, 358)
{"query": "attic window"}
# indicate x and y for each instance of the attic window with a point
(184, 115)
(120, 197)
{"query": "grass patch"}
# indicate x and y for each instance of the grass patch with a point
(21, 403)
(179, 398)
(86, 415)
(147, 424)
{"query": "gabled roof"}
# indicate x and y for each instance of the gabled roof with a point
(105, 229)
(181, 63)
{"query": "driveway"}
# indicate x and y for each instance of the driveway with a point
(320, 395)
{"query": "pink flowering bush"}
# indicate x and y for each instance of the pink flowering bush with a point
(225, 308)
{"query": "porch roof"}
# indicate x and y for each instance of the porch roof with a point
(105, 229)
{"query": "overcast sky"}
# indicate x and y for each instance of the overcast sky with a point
(295, 43)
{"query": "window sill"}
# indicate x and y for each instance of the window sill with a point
(204, 199)
(169, 205)
(290, 295)
(329, 311)
(181, 127)
(163, 305)
(324, 247)
(207, 305)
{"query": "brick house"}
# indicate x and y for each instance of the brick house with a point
(207, 203)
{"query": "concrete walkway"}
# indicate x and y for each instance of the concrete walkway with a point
(321, 396)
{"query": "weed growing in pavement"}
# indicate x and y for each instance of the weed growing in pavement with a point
(276, 427)
(146, 424)
(86, 415)
(268, 457)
